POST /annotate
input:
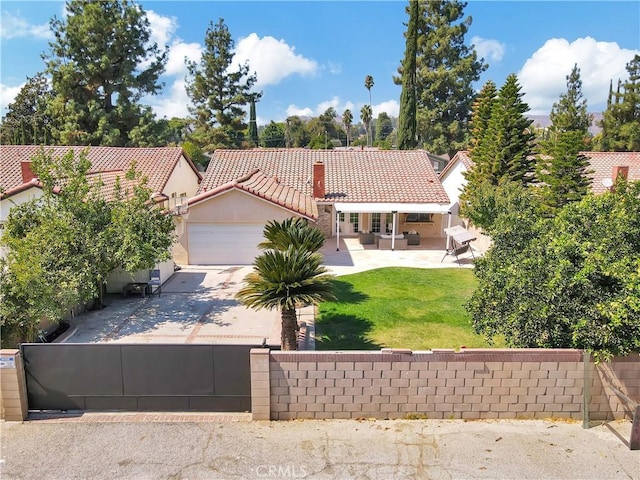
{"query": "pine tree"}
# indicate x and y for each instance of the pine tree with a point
(219, 94)
(101, 64)
(621, 120)
(508, 141)
(407, 126)
(562, 169)
(445, 71)
(253, 126)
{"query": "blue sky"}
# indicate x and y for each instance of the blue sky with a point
(311, 55)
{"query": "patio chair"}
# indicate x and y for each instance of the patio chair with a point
(457, 250)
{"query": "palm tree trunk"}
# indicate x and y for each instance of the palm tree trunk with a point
(289, 338)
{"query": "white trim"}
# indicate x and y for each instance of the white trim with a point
(392, 207)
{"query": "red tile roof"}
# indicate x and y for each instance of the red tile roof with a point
(376, 176)
(156, 164)
(268, 188)
(602, 164)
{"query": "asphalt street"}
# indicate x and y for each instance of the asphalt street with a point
(336, 449)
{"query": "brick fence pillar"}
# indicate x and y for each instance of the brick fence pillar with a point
(260, 387)
(13, 390)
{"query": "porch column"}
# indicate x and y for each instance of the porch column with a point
(337, 230)
(393, 230)
(448, 226)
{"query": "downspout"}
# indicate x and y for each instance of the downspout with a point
(337, 230)
(393, 230)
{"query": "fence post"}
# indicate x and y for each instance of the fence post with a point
(586, 388)
(13, 395)
(260, 384)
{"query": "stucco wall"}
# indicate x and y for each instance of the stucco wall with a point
(473, 384)
(182, 180)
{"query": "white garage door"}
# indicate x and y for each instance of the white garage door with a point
(224, 244)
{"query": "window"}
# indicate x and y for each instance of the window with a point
(375, 223)
(354, 220)
(341, 219)
(418, 217)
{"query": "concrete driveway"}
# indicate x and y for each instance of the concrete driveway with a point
(196, 305)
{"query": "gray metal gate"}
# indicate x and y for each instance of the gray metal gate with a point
(138, 377)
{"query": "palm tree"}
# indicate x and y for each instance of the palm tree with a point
(292, 232)
(347, 119)
(285, 280)
(368, 83)
(366, 115)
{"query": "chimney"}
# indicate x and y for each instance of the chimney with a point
(27, 173)
(318, 180)
(622, 172)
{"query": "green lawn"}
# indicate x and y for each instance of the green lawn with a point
(399, 307)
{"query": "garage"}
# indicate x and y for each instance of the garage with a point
(224, 244)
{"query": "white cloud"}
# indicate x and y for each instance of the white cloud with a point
(162, 28)
(272, 60)
(299, 111)
(8, 95)
(390, 107)
(543, 76)
(489, 49)
(15, 26)
(334, 68)
(174, 104)
(177, 53)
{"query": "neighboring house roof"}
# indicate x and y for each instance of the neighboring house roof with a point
(461, 156)
(33, 183)
(268, 188)
(603, 163)
(353, 176)
(157, 164)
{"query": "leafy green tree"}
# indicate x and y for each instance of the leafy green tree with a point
(571, 281)
(289, 274)
(445, 71)
(102, 63)
(325, 125)
(384, 127)
(273, 135)
(26, 121)
(73, 237)
(407, 123)
(621, 120)
(347, 120)
(195, 153)
(297, 132)
(219, 93)
(366, 115)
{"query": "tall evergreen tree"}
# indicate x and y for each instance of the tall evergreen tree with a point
(102, 63)
(218, 93)
(621, 120)
(407, 126)
(253, 125)
(570, 113)
(509, 139)
(562, 169)
(26, 121)
(445, 71)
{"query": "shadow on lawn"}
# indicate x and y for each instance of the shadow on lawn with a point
(336, 331)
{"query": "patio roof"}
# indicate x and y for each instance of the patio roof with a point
(392, 207)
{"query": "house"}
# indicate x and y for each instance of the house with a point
(344, 192)
(170, 174)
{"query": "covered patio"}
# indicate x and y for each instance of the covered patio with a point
(393, 226)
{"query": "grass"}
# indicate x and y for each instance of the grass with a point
(399, 307)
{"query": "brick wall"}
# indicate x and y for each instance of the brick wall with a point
(608, 381)
(472, 384)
